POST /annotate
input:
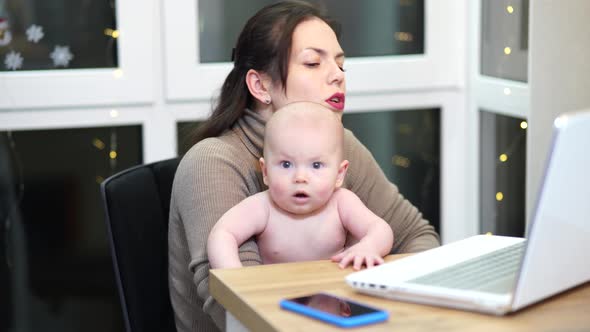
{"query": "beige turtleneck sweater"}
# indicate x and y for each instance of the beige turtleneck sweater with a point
(217, 173)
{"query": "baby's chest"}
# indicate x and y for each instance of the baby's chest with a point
(314, 238)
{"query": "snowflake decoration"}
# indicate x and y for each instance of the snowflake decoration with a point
(61, 56)
(35, 33)
(13, 60)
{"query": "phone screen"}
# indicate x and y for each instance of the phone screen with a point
(335, 310)
(334, 305)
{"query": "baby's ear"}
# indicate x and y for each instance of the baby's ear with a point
(341, 173)
(263, 168)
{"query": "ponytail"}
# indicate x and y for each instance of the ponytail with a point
(234, 96)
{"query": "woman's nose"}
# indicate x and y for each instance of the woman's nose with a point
(336, 74)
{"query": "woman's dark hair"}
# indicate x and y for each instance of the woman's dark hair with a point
(263, 45)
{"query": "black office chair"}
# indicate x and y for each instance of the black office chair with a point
(137, 202)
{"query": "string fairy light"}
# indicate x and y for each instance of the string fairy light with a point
(113, 33)
(113, 150)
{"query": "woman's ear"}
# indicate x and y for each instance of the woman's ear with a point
(341, 173)
(258, 85)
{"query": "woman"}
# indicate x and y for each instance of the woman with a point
(286, 52)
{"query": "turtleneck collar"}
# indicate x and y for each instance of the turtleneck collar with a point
(250, 130)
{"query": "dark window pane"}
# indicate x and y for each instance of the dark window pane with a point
(502, 174)
(57, 34)
(66, 272)
(184, 137)
(369, 28)
(406, 146)
(504, 39)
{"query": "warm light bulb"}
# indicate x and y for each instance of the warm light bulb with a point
(401, 161)
(111, 33)
(503, 157)
(524, 125)
(113, 154)
(510, 9)
(403, 36)
(499, 196)
(507, 50)
(98, 143)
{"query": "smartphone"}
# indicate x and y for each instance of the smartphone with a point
(335, 310)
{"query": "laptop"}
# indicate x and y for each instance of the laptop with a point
(497, 274)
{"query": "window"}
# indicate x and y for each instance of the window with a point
(184, 141)
(406, 146)
(502, 172)
(501, 106)
(395, 27)
(390, 45)
(61, 34)
(504, 39)
(67, 53)
(62, 250)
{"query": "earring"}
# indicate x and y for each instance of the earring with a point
(267, 101)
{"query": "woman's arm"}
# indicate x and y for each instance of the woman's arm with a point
(211, 178)
(366, 179)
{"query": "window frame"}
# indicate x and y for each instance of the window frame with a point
(492, 94)
(130, 83)
(188, 80)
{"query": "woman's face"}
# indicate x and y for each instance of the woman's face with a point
(316, 71)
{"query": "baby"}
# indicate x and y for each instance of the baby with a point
(304, 214)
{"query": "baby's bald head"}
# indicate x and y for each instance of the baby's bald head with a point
(302, 117)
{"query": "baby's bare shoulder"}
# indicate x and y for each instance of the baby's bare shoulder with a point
(346, 201)
(254, 204)
(343, 194)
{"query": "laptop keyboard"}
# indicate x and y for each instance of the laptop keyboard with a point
(493, 272)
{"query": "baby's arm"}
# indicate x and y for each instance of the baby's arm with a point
(236, 226)
(374, 234)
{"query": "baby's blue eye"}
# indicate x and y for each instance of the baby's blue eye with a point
(317, 165)
(285, 164)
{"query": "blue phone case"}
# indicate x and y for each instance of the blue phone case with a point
(368, 318)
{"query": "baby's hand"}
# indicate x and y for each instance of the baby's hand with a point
(357, 255)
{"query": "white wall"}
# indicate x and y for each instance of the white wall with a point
(559, 76)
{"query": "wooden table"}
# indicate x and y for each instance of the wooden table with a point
(252, 295)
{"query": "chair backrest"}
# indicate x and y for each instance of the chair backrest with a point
(137, 202)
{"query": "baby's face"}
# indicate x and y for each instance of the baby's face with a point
(302, 168)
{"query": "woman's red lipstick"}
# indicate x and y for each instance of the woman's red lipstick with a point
(336, 101)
